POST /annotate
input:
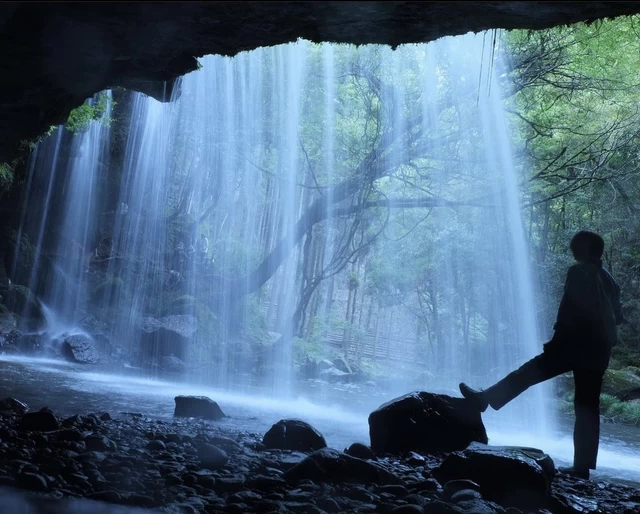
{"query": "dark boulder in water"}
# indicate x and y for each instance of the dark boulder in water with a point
(425, 422)
(166, 336)
(197, 407)
(510, 476)
(329, 465)
(79, 348)
(173, 364)
(295, 435)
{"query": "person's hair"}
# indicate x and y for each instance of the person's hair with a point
(587, 245)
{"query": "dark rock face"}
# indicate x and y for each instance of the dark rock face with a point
(79, 348)
(329, 465)
(166, 336)
(40, 421)
(295, 435)
(426, 422)
(510, 476)
(84, 49)
(197, 407)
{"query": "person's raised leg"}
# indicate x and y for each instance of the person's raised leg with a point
(586, 431)
(547, 365)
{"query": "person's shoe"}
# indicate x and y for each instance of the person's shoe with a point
(476, 398)
(575, 472)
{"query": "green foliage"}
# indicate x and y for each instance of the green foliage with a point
(81, 117)
(6, 177)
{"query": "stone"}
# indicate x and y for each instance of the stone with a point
(212, 457)
(197, 407)
(98, 443)
(295, 435)
(425, 422)
(40, 421)
(510, 476)
(361, 451)
(465, 495)
(453, 486)
(32, 481)
(329, 465)
(156, 445)
(342, 364)
(14, 406)
(408, 509)
(167, 336)
(79, 348)
(172, 364)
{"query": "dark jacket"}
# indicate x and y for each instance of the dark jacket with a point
(590, 310)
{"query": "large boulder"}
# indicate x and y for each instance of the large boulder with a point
(329, 465)
(43, 420)
(425, 422)
(22, 301)
(510, 476)
(172, 364)
(294, 435)
(79, 348)
(163, 337)
(197, 407)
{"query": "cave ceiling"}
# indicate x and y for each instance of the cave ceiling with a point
(56, 54)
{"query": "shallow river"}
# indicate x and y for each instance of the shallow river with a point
(339, 412)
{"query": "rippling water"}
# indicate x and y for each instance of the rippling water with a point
(339, 411)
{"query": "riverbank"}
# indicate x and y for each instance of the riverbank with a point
(135, 460)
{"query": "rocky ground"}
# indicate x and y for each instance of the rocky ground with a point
(188, 465)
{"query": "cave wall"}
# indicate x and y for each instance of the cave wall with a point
(57, 54)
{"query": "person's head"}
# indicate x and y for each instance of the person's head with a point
(587, 246)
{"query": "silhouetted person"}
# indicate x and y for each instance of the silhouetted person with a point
(585, 332)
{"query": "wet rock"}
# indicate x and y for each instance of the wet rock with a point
(465, 495)
(453, 486)
(197, 407)
(212, 457)
(329, 465)
(342, 364)
(172, 364)
(11, 405)
(408, 509)
(79, 348)
(295, 435)
(361, 451)
(440, 507)
(32, 481)
(31, 343)
(43, 420)
(166, 336)
(70, 434)
(477, 506)
(156, 445)
(335, 375)
(510, 476)
(427, 422)
(98, 443)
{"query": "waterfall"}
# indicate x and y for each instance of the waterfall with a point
(204, 188)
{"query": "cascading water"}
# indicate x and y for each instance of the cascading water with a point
(324, 198)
